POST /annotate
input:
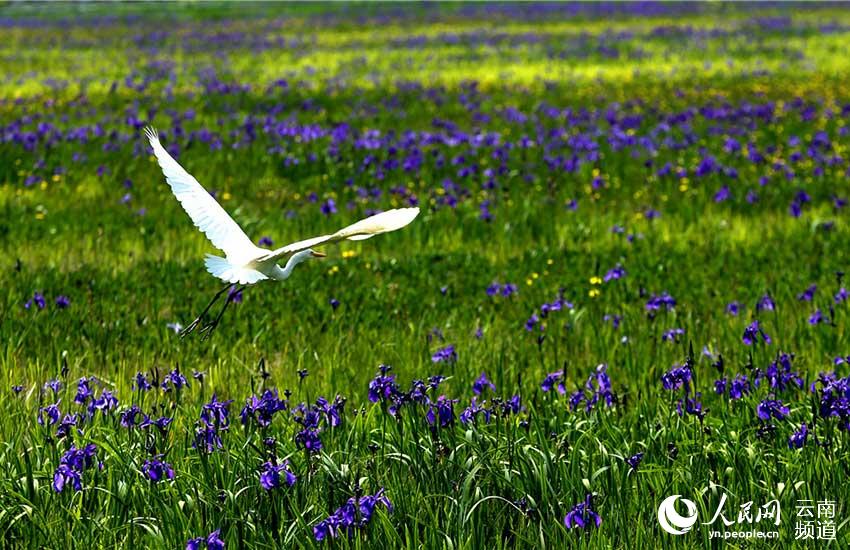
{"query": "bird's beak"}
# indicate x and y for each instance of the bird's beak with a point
(318, 254)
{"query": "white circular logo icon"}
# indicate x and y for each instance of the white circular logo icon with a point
(670, 519)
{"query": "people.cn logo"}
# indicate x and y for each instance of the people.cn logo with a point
(671, 521)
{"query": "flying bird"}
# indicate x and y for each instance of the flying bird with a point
(245, 263)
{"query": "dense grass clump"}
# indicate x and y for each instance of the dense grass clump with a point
(626, 283)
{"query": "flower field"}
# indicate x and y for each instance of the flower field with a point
(626, 281)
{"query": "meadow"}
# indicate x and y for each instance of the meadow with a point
(626, 282)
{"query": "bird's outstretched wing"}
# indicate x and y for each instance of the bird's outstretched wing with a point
(364, 229)
(224, 233)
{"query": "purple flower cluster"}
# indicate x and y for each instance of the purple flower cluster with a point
(596, 389)
(355, 514)
(384, 389)
(737, 388)
(677, 377)
(37, 299)
(834, 398)
(772, 408)
(535, 321)
(495, 407)
(441, 412)
(554, 380)
(315, 418)
(681, 377)
(210, 542)
(672, 335)
(72, 466)
(40, 302)
(504, 290)
(214, 421)
(660, 302)
(778, 376)
(261, 410)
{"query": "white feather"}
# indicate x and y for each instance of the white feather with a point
(224, 233)
(219, 267)
(384, 222)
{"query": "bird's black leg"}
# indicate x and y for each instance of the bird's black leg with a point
(210, 327)
(197, 321)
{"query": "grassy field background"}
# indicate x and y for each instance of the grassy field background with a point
(702, 148)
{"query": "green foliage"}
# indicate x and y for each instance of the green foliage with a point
(504, 484)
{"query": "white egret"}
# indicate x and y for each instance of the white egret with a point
(244, 262)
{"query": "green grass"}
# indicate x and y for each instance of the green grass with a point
(128, 275)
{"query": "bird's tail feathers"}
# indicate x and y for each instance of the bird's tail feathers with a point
(229, 273)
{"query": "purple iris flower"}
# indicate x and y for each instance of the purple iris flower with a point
(445, 354)
(128, 417)
(808, 294)
(37, 299)
(772, 408)
(799, 437)
(817, 318)
(174, 379)
(157, 470)
(614, 273)
(84, 391)
(65, 475)
(72, 465)
(262, 409)
(49, 415)
(676, 378)
(765, 303)
(691, 406)
(216, 413)
(582, 515)
(211, 542)
(672, 335)
(270, 475)
(141, 383)
(554, 380)
(481, 384)
(634, 461)
(329, 207)
(356, 513)
(308, 439)
(752, 333)
(382, 387)
(660, 301)
(723, 194)
(442, 412)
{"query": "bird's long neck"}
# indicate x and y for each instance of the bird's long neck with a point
(294, 260)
